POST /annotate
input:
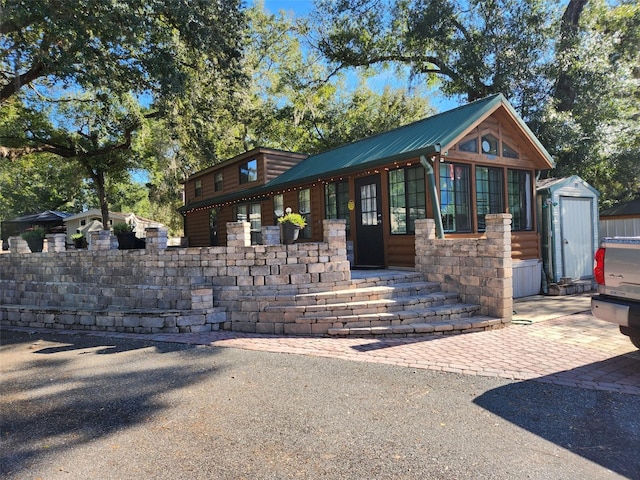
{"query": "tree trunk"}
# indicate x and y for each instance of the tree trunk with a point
(102, 196)
(565, 91)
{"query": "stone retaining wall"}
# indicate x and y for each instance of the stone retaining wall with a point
(167, 289)
(479, 269)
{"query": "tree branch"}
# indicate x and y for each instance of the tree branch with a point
(14, 84)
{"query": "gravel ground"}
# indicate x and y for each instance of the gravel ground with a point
(80, 407)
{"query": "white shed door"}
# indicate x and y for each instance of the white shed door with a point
(577, 236)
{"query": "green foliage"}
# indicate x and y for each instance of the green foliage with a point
(119, 228)
(473, 48)
(36, 183)
(77, 236)
(134, 46)
(33, 233)
(592, 127)
(295, 102)
(83, 67)
(294, 218)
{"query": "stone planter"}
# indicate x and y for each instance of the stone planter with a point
(126, 241)
(290, 232)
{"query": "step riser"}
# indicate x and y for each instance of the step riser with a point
(363, 310)
(343, 296)
(364, 307)
(375, 329)
(366, 318)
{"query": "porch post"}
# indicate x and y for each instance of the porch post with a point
(433, 192)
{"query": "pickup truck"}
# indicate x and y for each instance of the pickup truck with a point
(617, 272)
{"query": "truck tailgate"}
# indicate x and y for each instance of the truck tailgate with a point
(622, 276)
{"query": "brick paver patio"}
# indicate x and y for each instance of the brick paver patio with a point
(574, 350)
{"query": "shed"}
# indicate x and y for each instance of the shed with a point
(621, 220)
(568, 224)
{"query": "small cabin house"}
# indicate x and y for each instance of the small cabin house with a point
(568, 220)
(91, 220)
(455, 167)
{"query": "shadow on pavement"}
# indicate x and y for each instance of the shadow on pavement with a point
(55, 402)
(601, 426)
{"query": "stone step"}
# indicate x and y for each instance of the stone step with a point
(367, 278)
(360, 294)
(137, 320)
(449, 327)
(359, 307)
(400, 317)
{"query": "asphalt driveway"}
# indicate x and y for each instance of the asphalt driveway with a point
(78, 406)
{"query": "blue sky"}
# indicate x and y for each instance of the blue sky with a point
(297, 7)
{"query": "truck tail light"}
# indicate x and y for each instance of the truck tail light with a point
(598, 266)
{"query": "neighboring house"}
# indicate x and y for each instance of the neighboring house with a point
(456, 167)
(568, 220)
(622, 220)
(51, 221)
(91, 220)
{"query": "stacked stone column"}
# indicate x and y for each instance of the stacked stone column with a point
(479, 269)
(238, 234)
(56, 242)
(157, 239)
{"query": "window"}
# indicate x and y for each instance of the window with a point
(489, 193)
(489, 144)
(520, 206)
(336, 201)
(369, 204)
(455, 201)
(469, 146)
(407, 199)
(509, 152)
(198, 188)
(278, 206)
(304, 206)
(251, 212)
(218, 182)
(249, 171)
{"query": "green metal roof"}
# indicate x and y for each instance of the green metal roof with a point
(424, 137)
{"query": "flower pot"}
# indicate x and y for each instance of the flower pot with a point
(290, 233)
(126, 241)
(36, 244)
(79, 243)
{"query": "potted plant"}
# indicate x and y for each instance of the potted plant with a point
(291, 224)
(78, 240)
(34, 238)
(126, 237)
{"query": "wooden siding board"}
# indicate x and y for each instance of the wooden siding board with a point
(401, 251)
(276, 165)
(525, 245)
(197, 228)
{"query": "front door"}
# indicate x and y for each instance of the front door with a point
(577, 236)
(369, 239)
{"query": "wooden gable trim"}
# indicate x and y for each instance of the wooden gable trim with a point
(507, 123)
